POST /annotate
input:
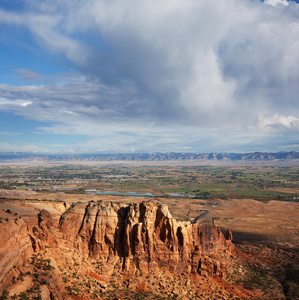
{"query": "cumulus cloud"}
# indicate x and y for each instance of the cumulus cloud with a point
(277, 2)
(204, 64)
(279, 123)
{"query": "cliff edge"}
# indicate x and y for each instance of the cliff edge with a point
(141, 237)
(99, 247)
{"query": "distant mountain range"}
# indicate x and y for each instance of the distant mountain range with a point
(254, 156)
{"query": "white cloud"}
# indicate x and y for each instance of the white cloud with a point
(278, 123)
(6, 147)
(14, 102)
(201, 65)
(9, 133)
(277, 2)
(70, 97)
(26, 103)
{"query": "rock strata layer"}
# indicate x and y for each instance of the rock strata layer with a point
(141, 237)
(95, 241)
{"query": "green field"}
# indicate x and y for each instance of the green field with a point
(207, 182)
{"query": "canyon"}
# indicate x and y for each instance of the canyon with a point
(105, 247)
(124, 240)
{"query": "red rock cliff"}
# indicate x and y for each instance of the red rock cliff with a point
(140, 237)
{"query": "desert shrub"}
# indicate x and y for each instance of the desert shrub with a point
(69, 290)
(4, 295)
(30, 290)
(43, 281)
(291, 283)
(23, 296)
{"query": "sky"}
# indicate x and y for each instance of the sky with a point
(153, 76)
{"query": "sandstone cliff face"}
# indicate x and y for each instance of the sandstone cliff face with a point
(141, 237)
(15, 247)
(114, 240)
(22, 233)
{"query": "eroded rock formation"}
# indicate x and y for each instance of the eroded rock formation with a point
(15, 248)
(141, 237)
(110, 239)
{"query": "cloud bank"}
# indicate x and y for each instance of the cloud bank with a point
(221, 69)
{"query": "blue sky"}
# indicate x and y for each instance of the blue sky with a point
(128, 75)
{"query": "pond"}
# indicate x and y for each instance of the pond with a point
(181, 195)
(134, 194)
(117, 193)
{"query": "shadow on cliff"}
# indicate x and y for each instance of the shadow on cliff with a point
(240, 237)
(250, 237)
